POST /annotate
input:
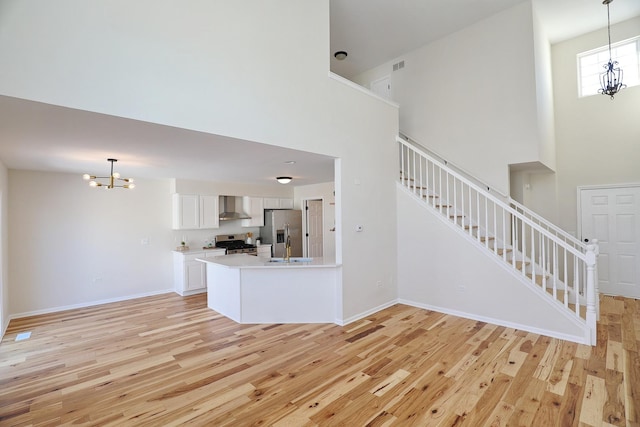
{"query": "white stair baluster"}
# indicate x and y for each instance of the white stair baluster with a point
(555, 271)
(504, 236)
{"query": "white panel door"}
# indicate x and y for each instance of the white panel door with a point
(382, 87)
(612, 215)
(314, 228)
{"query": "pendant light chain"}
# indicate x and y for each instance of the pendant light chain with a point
(611, 79)
(609, 29)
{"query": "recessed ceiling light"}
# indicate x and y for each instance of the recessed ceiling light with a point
(290, 162)
(340, 55)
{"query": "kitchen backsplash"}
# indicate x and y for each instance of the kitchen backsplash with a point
(199, 238)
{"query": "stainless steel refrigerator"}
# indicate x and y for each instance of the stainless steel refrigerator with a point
(274, 232)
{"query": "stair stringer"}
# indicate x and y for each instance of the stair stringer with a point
(443, 269)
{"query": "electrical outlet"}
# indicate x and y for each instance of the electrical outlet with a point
(379, 283)
(461, 289)
(144, 241)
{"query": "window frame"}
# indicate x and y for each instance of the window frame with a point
(605, 48)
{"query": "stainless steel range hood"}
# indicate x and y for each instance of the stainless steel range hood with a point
(229, 210)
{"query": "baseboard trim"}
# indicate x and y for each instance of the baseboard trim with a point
(351, 319)
(189, 293)
(553, 334)
(5, 325)
(86, 304)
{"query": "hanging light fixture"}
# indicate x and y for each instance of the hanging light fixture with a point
(610, 80)
(284, 179)
(113, 178)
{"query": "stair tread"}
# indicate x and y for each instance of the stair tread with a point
(502, 250)
(572, 307)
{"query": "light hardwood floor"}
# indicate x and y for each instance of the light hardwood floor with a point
(169, 360)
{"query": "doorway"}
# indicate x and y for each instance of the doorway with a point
(611, 214)
(382, 87)
(313, 242)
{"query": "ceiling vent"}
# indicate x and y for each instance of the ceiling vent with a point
(398, 65)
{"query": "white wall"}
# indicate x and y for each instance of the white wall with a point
(597, 139)
(4, 246)
(72, 245)
(477, 97)
(544, 95)
(324, 191)
(439, 269)
(224, 68)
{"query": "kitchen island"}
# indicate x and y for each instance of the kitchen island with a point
(248, 289)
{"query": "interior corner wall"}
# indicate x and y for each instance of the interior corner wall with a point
(541, 195)
(4, 249)
(221, 67)
(72, 245)
(471, 97)
(544, 95)
(596, 138)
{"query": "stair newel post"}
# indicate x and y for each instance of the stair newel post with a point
(591, 291)
(597, 278)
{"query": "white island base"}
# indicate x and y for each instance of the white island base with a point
(248, 289)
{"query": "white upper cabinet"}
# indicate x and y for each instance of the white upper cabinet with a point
(192, 211)
(286, 203)
(209, 212)
(254, 206)
(277, 203)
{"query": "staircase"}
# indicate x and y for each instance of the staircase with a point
(537, 252)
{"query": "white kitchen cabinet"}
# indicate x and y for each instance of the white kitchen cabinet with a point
(278, 203)
(264, 251)
(286, 203)
(189, 275)
(254, 206)
(193, 211)
(209, 212)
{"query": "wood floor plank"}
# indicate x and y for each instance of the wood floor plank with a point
(169, 360)
(593, 401)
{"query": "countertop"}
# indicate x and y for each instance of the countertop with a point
(248, 261)
(193, 250)
(196, 249)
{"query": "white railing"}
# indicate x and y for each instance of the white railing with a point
(562, 271)
(560, 234)
(548, 225)
(453, 166)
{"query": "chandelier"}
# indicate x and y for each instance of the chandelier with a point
(113, 178)
(610, 80)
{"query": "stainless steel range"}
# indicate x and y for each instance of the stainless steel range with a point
(235, 244)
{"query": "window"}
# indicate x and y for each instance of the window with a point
(591, 65)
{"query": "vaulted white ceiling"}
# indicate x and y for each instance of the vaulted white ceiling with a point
(44, 137)
(373, 32)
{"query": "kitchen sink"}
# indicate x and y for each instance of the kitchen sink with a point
(292, 259)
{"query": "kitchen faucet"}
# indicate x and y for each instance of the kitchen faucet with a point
(287, 246)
